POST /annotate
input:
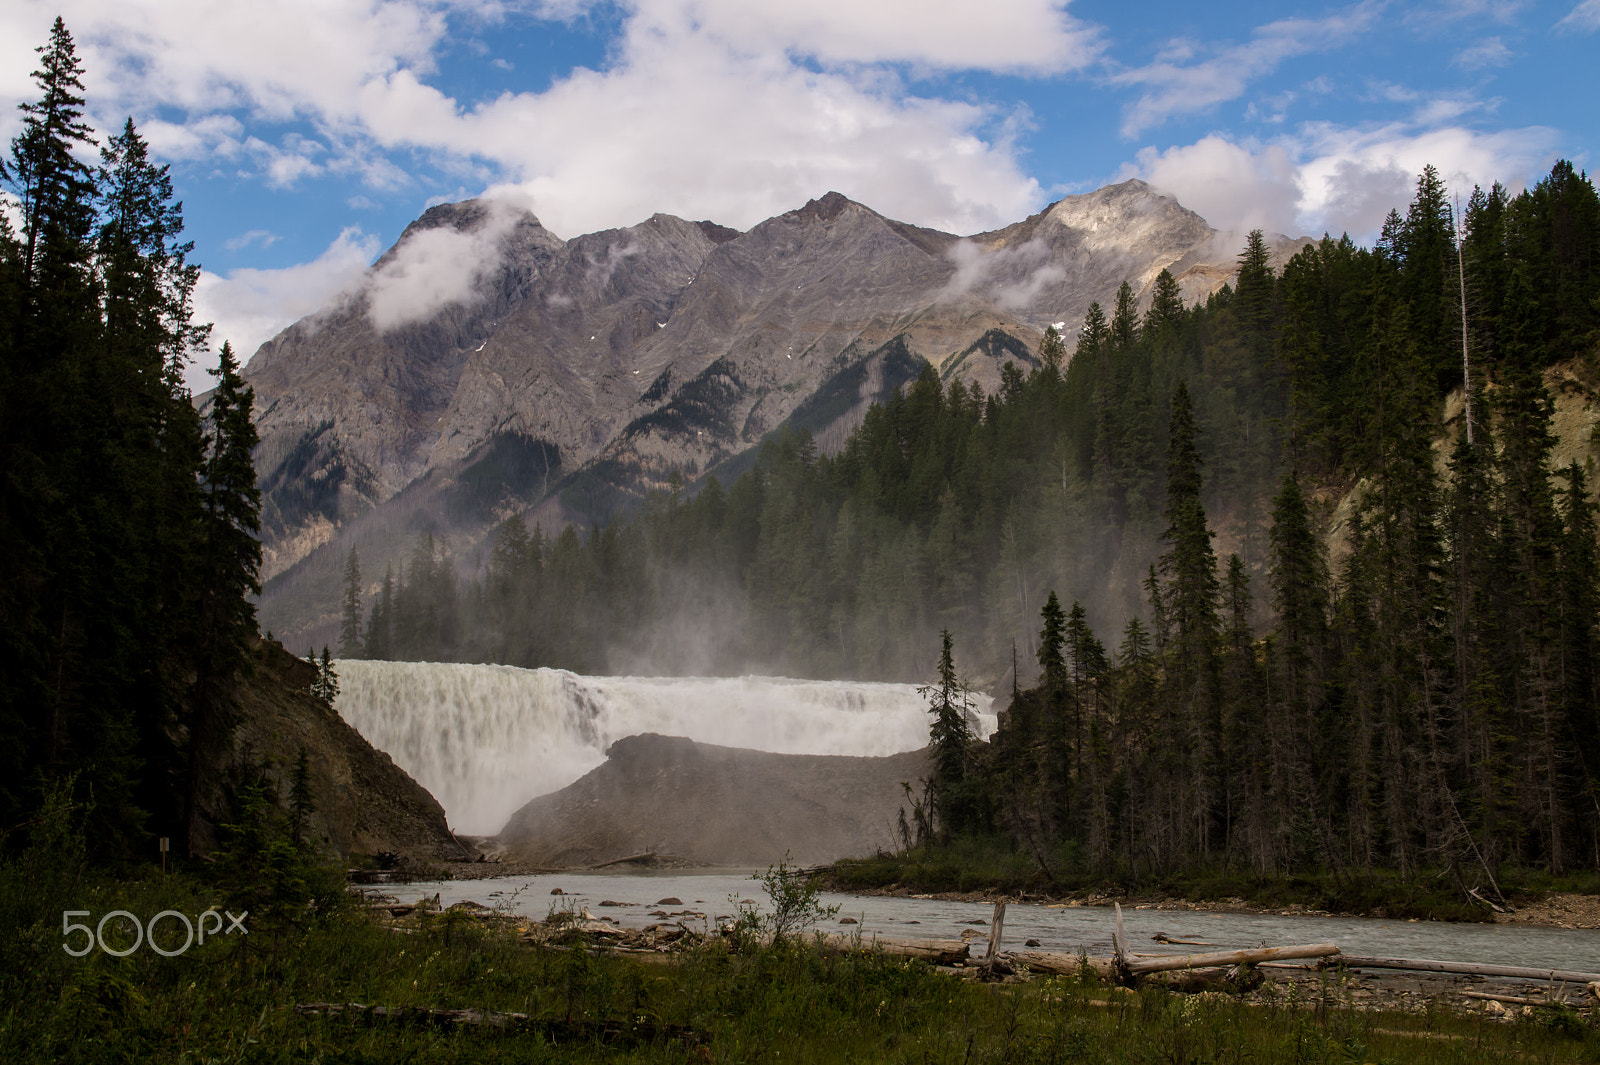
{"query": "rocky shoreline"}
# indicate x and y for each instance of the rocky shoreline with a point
(1568, 910)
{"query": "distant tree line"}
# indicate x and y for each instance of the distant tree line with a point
(1424, 697)
(127, 519)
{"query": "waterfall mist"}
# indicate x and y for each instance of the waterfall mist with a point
(484, 739)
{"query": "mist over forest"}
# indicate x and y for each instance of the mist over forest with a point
(949, 508)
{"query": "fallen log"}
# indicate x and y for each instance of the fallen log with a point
(1496, 908)
(1171, 963)
(1515, 1000)
(1055, 963)
(1463, 968)
(1237, 980)
(938, 951)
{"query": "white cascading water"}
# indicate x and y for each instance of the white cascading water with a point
(486, 739)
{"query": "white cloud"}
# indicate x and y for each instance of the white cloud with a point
(284, 166)
(1334, 178)
(1173, 86)
(1427, 18)
(709, 108)
(432, 268)
(265, 238)
(1232, 186)
(1585, 18)
(698, 131)
(1349, 177)
(1489, 52)
(1028, 36)
(250, 306)
(206, 137)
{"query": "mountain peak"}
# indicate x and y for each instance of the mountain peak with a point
(717, 234)
(1129, 214)
(466, 215)
(826, 209)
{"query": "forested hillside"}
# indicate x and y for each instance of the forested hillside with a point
(1425, 695)
(127, 521)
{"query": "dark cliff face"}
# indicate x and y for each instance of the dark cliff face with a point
(621, 358)
(364, 803)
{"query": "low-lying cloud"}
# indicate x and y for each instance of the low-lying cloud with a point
(1010, 278)
(431, 269)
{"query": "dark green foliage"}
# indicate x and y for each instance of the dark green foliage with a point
(126, 522)
(350, 623)
(949, 739)
(326, 684)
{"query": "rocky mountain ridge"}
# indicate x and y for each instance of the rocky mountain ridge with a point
(488, 366)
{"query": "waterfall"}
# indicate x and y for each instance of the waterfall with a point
(486, 739)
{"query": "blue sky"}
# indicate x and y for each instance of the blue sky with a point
(304, 134)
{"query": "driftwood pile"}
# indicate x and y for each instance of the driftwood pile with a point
(1236, 970)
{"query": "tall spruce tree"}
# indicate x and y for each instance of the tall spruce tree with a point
(949, 739)
(1189, 600)
(350, 623)
(230, 559)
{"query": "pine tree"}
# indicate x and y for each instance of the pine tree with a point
(1095, 332)
(379, 641)
(1189, 600)
(1530, 538)
(1124, 319)
(54, 187)
(1580, 650)
(1052, 349)
(1429, 278)
(1166, 312)
(327, 679)
(230, 559)
(1249, 733)
(949, 739)
(350, 628)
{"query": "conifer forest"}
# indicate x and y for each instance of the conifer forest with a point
(1393, 666)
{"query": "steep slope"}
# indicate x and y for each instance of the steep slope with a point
(364, 803)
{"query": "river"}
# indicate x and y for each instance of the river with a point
(1056, 927)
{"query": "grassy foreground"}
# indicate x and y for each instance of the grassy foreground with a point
(232, 1001)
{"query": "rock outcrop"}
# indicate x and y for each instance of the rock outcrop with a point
(716, 806)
